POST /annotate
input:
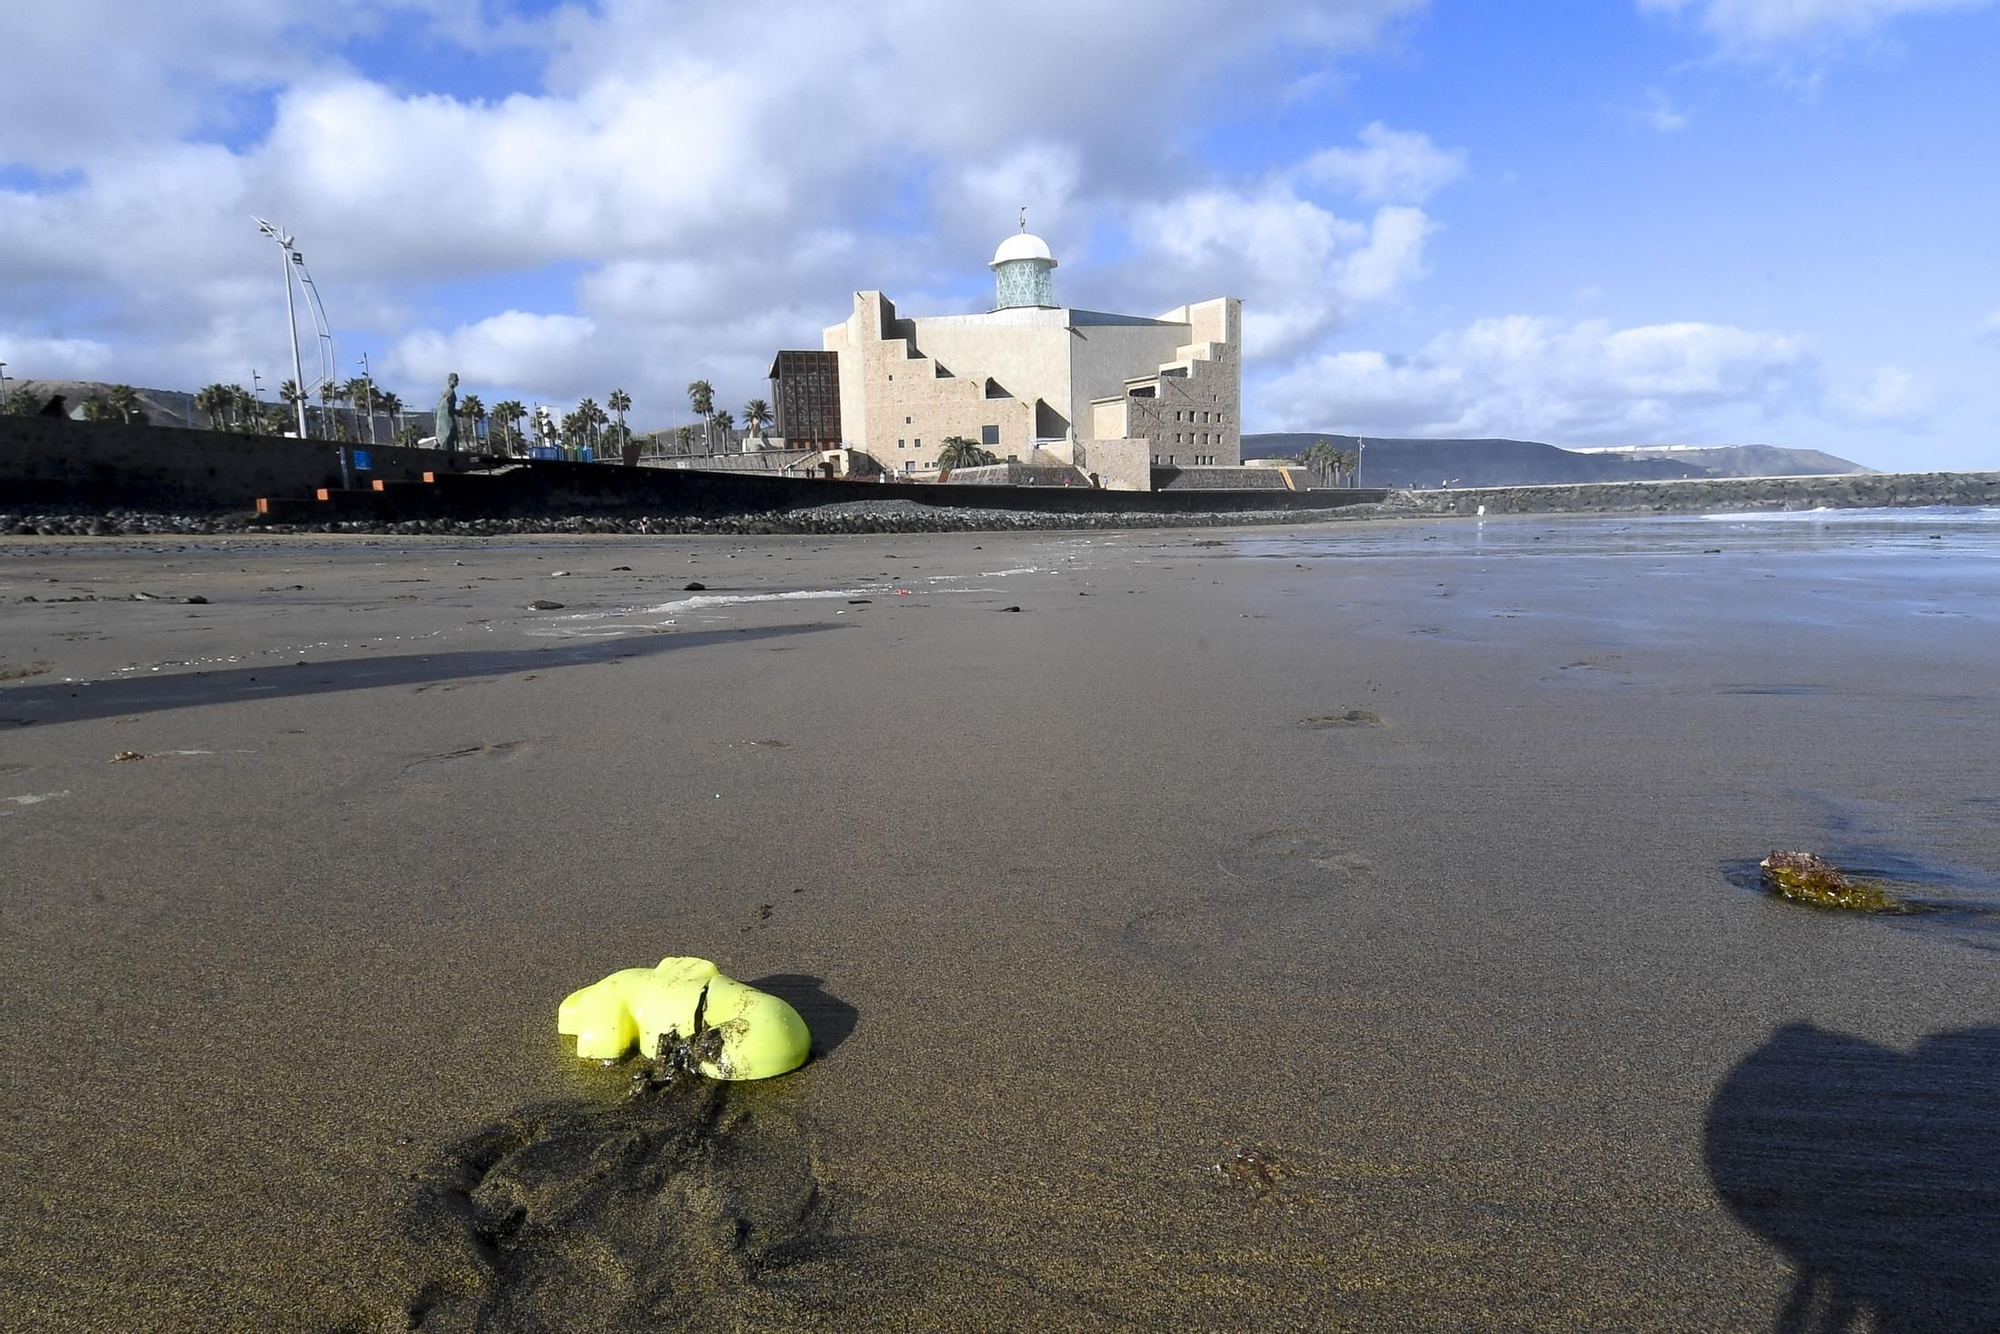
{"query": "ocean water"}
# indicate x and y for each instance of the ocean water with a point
(1972, 532)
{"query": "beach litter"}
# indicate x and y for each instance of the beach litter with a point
(544, 604)
(127, 756)
(1805, 878)
(689, 1017)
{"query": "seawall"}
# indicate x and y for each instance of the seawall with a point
(53, 463)
(63, 466)
(1721, 494)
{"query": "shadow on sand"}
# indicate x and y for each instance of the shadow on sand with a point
(1876, 1172)
(71, 702)
(829, 1018)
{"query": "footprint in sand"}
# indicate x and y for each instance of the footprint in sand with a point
(665, 1210)
(496, 748)
(1310, 846)
(1352, 718)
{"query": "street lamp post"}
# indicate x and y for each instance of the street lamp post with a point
(292, 319)
(369, 394)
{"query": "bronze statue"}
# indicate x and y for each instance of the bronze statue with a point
(447, 416)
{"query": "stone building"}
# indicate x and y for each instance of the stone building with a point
(1042, 384)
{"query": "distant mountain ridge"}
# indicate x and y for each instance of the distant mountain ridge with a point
(1446, 463)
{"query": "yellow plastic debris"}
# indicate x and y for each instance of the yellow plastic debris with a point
(760, 1035)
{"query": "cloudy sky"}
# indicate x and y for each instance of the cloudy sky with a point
(1581, 221)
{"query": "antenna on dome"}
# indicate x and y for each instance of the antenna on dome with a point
(1024, 217)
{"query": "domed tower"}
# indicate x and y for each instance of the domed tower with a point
(1022, 271)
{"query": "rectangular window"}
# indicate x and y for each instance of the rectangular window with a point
(906, 421)
(989, 435)
(900, 445)
(919, 444)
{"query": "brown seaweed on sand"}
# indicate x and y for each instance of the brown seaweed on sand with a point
(1805, 878)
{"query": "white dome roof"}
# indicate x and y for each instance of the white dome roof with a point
(1022, 245)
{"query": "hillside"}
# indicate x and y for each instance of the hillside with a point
(1436, 463)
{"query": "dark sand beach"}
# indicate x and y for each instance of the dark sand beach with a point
(1317, 928)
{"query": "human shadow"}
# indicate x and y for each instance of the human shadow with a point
(70, 702)
(829, 1018)
(1876, 1173)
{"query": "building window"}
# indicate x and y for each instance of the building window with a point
(989, 435)
(906, 421)
(919, 444)
(900, 445)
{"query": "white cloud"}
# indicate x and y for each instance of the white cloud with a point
(1536, 378)
(1401, 166)
(1659, 112)
(1757, 26)
(1885, 396)
(36, 358)
(1301, 269)
(700, 211)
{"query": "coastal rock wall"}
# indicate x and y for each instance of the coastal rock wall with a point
(53, 462)
(57, 465)
(1721, 494)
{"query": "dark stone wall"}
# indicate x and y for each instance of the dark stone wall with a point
(58, 464)
(1721, 494)
(588, 489)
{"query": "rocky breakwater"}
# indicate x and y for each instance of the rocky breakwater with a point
(886, 516)
(1722, 494)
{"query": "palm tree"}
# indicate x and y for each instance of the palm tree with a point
(97, 408)
(1323, 459)
(242, 408)
(588, 416)
(756, 416)
(725, 422)
(701, 397)
(619, 402)
(474, 410)
(684, 439)
(409, 435)
(214, 400)
(1349, 466)
(508, 412)
(124, 400)
(330, 394)
(958, 452)
(390, 405)
(290, 395)
(360, 391)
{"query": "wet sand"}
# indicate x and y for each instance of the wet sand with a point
(1306, 929)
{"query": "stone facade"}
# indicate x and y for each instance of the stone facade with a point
(1189, 414)
(1026, 377)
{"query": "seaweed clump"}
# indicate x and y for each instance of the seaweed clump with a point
(1805, 878)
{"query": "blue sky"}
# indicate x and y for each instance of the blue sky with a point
(1623, 221)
